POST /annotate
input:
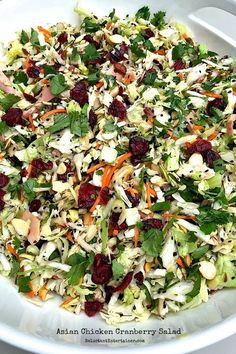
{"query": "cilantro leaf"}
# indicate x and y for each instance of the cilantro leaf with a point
(150, 78)
(161, 206)
(200, 251)
(178, 51)
(49, 70)
(135, 49)
(24, 38)
(117, 269)
(8, 101)
(158, 19)
(58, 84)
(152, 241)
(24, 284)
(90, 53)
(20, 78)
(3, 127)
(61, 121)
(144, 13)
(74, 55)
(79, 265)
(110, 126)
(90, 25)
(142, 177)
(79, 122)
(15, 268)
(209, 219)
(196, 277)
(94, 77)
(28, 188)
(34, 38)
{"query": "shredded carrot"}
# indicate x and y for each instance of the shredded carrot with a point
(12, 251)
(136, 236)
(99, 84)
(31, 294)
(47, 34)
(87, 219)
(197, 127)
(70, 237)
(22, 197)
(44, 81)
(152, 192)
(67, 301)
(121, 159)
(213, 135)
(27, 62)
(184, 217)
(43, 293)
(95, 167)
(130, 78)
(32, 126)
(109, 25)
(160, 52)
(97, 146)
(180, 262)
(148, 196)
(180, 75)
(211, 94)
(132, 191)
(97, 201)
(185, 36)
(1, 157)
(29, 170)
(52, 112)
(115, 232)
(104, 177)
(150, 120)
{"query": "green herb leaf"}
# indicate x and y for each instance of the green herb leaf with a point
(209, 219)
(144, 13)
(24, 284)
(152, 242)
(135, 49)
(148, 44)
(196, 277)
(74, 55)
(28, 188)
(110, 126)
(150, 78)
(142, 176)
(61, 121)
(90, 25)
(90, 53)
(16, 243)
(49, 70)
(15, 268)
(58, 84)
(79, 265)
(158, 19)
(34, 38)
(79, 122)
(117, 269)
(20, 78)
(161, 206)
(94, 77)
(3, 127)
(178, 51)
(8, 101)
(24, 38)
(112, 14)
(199, 252)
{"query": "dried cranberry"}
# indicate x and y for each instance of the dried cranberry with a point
(30, 98)
(63, 54)
(148, 33)
(120, 68)
(118, 54)
(179, 65)
(24, 172)
(34, 205)
(92, 119)
(152, 224)
(13, 117)
(64, 176)
(90, 39)
(201, 146)
(79, 92)
(62, 38)
(138, 146)
(33, 72)
(117, 109)
(48, 165)
(124, 283)
(216, 103)
(2, 193)
(2, 204)
(212, 156)
(4, 180)
(149, 112)
(87, 195)
(139, 277)
(104, 195)
(92, 307)
(38, 166)
(108, 291)
(102, 271)
(113, 224)
(134, 199)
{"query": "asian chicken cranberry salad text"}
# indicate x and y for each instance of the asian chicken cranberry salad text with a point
(117, 167)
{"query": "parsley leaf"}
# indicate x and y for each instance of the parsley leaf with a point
(28, 187)
(90, 53)
(3, 127)
(94, 77)
(8, 101)
(196, 277)
(15, 268)
(49, 70)
(161, 206)
(110, 126)
(20, 78)
(79, 265)
(209, 219)
(178, 51)
(158, 19)
(90, 25)
(58, 84)
(144, 13)
(152, 241)
(24, 284)
(61, 121)
(135, 49)
(150, 78)
(24, 38)
(117, 269)
(79, 122)
(34, 38)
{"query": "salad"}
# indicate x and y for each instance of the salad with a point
(117, 166)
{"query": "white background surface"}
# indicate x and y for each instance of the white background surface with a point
(226, 346)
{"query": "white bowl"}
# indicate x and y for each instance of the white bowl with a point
(36, 328)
